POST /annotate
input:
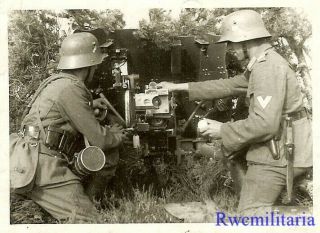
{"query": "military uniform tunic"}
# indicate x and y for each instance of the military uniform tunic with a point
(272, 91)
(65, 103)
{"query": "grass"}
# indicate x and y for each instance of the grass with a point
(139, 192)
(25, 211)
(143, 207)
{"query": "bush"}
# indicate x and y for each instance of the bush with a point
(33, 45)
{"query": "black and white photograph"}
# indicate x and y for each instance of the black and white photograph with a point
(185, 114)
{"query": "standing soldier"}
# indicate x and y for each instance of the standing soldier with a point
(276, 117)
(61, 110)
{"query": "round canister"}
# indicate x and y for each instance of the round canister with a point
(89, 160)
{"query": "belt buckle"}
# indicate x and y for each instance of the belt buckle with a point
(35, 133)
(32, 131)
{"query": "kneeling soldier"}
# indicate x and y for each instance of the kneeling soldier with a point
(62, 109)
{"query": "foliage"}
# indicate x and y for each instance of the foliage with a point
(138, 192)
(160, 29)
(33, 41)
(25, 211)
(196, 21)
(288, 23)
(33, 45)
(197, 178)
(130, 199)
(33, 49)
(143, 207)
(109, 19)
(289, 26)
(290, 29)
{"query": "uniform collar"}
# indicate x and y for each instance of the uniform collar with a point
(72, 76)
(260, 58)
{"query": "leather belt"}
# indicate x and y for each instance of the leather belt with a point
(298, 115)
(52, 153)
(56, 139)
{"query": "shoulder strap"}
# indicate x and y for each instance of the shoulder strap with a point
(40, 125)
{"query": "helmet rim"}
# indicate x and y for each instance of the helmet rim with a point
(80, 50)
(242, 26)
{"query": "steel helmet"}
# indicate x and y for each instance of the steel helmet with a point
(79, 50)
(243, 25)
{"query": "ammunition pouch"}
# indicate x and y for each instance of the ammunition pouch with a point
(56, 139)
(61, 141)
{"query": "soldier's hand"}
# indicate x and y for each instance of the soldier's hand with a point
(213, 129)
(99, 103)
(116, 128)
(119, 131)
(173, 86)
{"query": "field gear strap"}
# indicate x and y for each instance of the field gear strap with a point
(42, 132)
(42, 86)
(298, 115)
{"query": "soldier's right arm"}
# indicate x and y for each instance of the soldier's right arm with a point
(214, 89)
(73, 103)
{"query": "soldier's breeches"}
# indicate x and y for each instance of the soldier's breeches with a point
(66, 202)
(262, 186)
